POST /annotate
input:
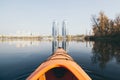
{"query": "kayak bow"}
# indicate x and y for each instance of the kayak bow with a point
(59, 66)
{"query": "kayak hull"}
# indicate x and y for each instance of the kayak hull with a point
(59, 60)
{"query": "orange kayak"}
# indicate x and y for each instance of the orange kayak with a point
(59, 66)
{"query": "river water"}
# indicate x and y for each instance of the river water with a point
(100, 60)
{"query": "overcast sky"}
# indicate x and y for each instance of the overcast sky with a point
(38, 15)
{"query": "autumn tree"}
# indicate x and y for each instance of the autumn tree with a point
(117, 24)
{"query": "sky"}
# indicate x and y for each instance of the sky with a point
(36, 16)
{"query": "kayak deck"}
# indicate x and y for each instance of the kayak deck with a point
(59, 73)
(59, 66)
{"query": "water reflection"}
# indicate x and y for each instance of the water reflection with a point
(89, 43)
(26, 43)
(104, 52)
(56, 43)
(65, 45)
(102, 55)
(22, 44)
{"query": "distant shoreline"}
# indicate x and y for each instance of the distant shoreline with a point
(39, 38)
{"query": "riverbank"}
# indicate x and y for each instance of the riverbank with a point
(115, 38)
(39, 38)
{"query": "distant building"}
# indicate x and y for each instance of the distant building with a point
(55, 34)
(54, 30)
(64, 29)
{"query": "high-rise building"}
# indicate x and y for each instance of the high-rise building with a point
(55, 33)
(64, 29)
(54, 30)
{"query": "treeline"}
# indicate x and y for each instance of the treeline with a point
(105, 27)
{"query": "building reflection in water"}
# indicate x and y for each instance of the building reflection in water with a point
(55, 44)
(64, 45)
(89, 43)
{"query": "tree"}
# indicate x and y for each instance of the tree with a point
(117, 22)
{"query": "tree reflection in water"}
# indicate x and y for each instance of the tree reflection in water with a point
(103, 52)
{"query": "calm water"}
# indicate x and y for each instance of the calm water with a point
(18, 59)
